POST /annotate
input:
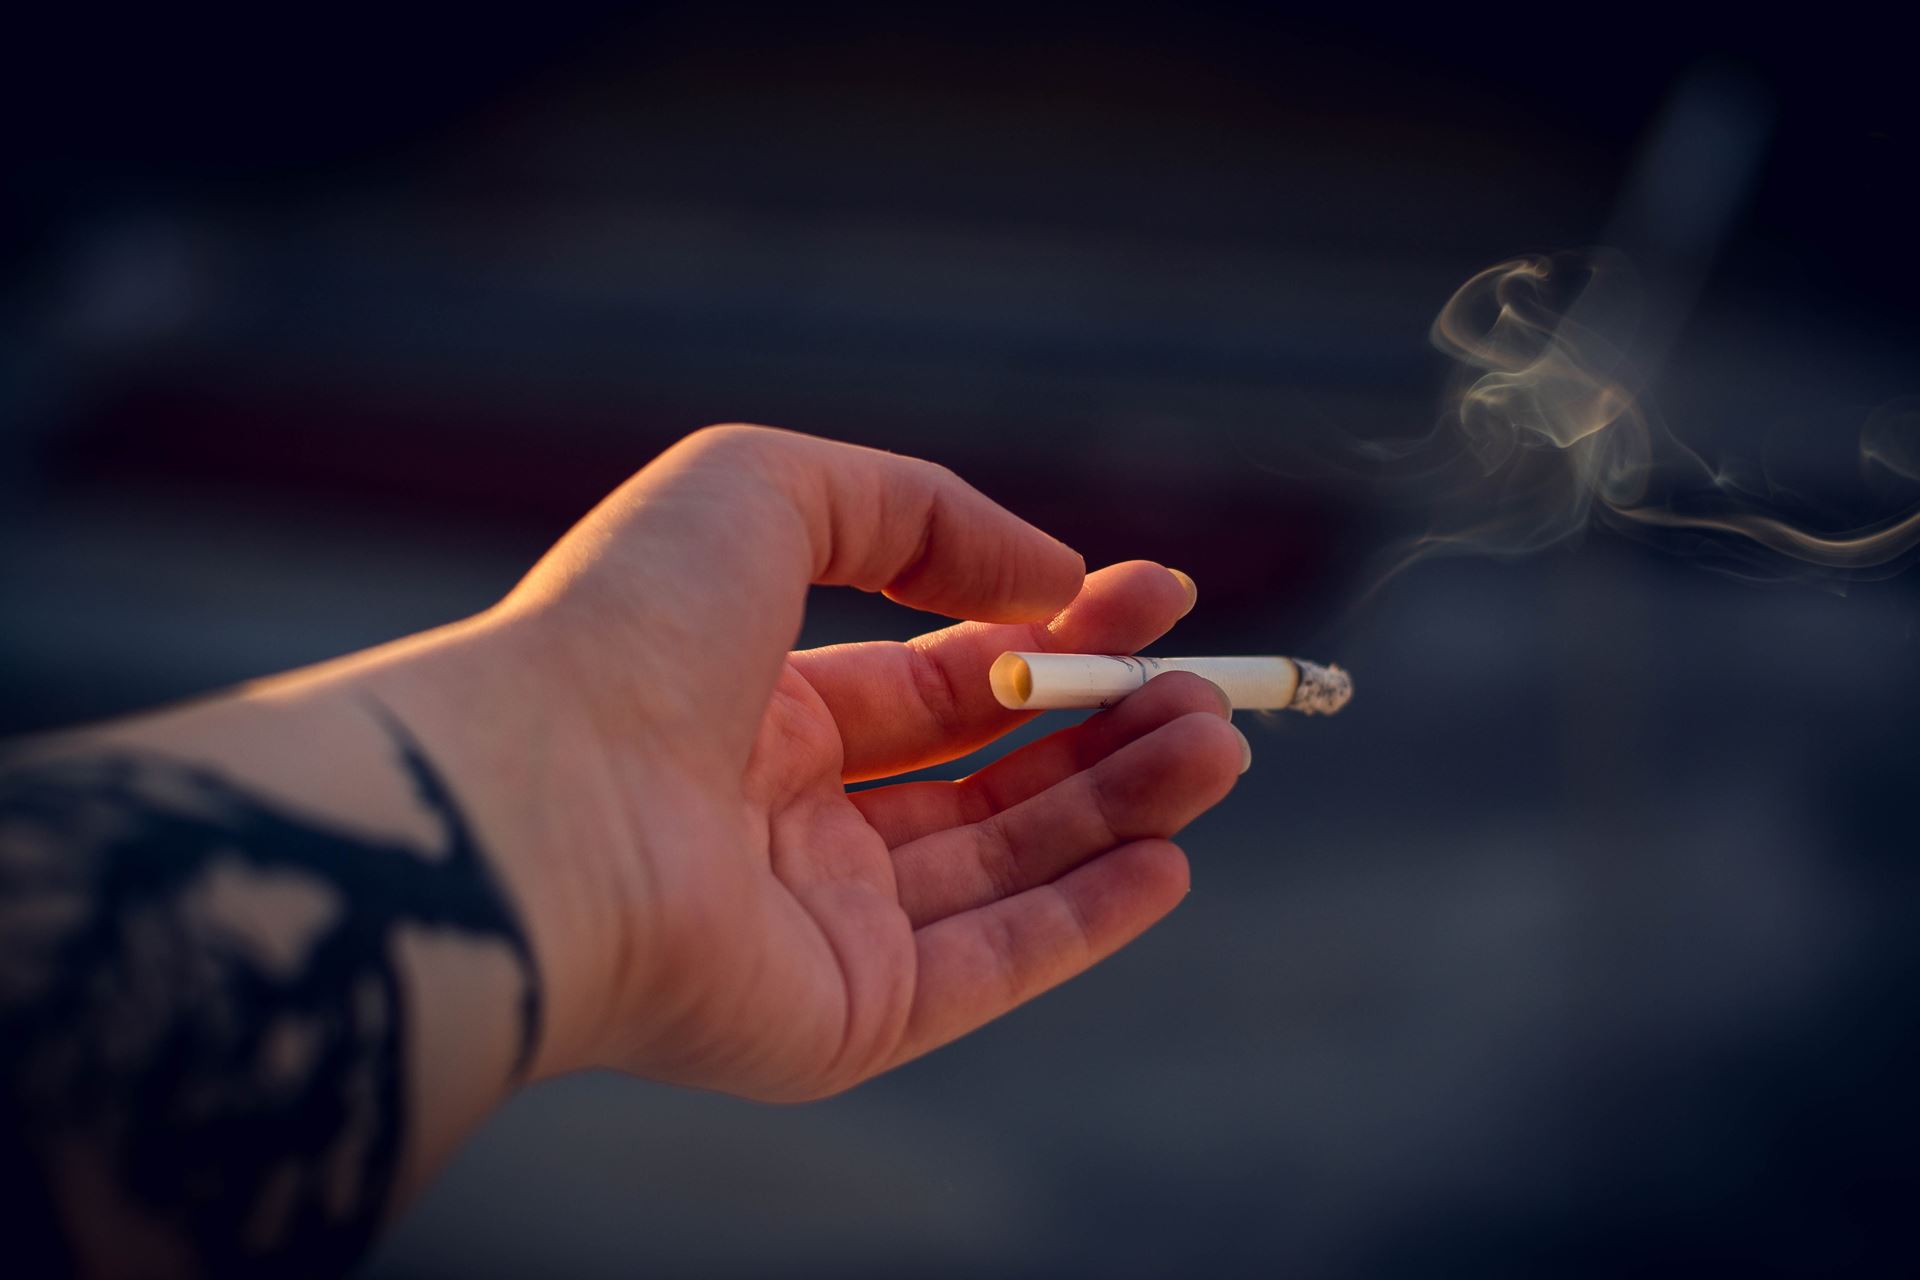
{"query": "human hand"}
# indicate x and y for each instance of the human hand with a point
(756, 927)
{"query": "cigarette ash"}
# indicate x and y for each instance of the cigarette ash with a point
(1322, 690)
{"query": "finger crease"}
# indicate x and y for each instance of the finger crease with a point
(998, 862)
(935, 687)
(921, 552)
(1102, 807)
(1078, 914)
(1006, 949)
(974, 800)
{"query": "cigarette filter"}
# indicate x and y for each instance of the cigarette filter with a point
(1052, 681)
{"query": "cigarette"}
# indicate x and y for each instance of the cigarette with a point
(1055, 681)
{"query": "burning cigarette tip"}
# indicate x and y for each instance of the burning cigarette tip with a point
(1053, 681)
(1322, 691)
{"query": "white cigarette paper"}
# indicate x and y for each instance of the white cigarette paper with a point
(1056, 681)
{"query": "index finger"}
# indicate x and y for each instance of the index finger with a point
(906, 705)
(725, 532)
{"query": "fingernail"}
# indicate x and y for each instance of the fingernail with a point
(1246, 751)
(1193, 591)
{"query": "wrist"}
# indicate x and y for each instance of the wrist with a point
(481, 702)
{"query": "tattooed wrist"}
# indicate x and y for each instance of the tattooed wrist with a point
(203, 1018)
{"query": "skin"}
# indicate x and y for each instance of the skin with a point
(660, 786)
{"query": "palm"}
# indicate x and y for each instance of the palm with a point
(887, 921)
(825, 865)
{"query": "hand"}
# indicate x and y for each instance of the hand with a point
(760, 929)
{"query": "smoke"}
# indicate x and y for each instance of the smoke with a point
(1891, 438)
(1547, 434)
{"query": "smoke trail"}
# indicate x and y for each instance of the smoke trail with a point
(1547, 433)
(1891, 438)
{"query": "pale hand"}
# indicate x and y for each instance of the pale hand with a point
(739, 920)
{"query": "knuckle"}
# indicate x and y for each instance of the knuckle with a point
(761, 458)
(732, 439)
(926, 468)
(934, 687)
(721, 432)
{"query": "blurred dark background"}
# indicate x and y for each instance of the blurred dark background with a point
(1581, 944)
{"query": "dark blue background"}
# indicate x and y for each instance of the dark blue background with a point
(1580, 944)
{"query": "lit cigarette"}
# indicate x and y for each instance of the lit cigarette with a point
(1054, 681)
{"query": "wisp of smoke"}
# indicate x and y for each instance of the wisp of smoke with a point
(1547, 434)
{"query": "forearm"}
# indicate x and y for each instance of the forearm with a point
(263, 960)
(268, 957)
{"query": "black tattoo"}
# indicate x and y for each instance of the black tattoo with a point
(224, 1098)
